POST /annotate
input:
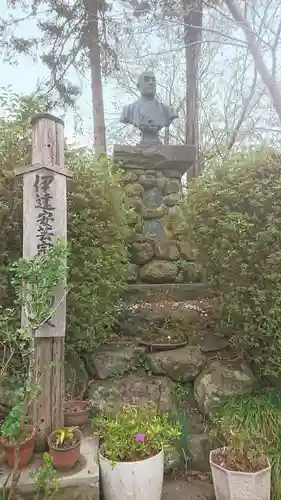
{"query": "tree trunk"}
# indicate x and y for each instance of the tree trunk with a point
(254, 48)
(192, 33)
(91, 8)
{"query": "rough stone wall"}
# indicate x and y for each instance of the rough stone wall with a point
(190, 381)
(159, 253)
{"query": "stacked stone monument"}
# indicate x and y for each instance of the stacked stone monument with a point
(153, 173)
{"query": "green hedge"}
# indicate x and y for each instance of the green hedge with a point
(233, 217)
(97, 227)
(97, 234)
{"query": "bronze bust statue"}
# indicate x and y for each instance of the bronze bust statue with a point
(148, 114)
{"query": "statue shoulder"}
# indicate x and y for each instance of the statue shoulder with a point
(127, 112)
(171, 111)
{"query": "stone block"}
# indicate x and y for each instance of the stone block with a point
(136, 170)
(142, 253)
(159, 272)
(114, 359)
(173, 174)
(152, 198)
(176, 221)
(109, 395)
(154, 229)
(130, 177)
(172, 186)
(81, 483)
(161, 183)
(221, 379)
(152, 173)
(167, 250)
(134, 189)
(155, 213)
(148, 180)
(140, 238)
(181, 365)
(172, 199)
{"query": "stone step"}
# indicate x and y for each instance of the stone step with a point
(81, 483)
(168, 291)
(183, 321)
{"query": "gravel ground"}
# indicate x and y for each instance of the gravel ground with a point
(187, 490)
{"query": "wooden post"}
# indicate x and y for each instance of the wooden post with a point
(44, 220)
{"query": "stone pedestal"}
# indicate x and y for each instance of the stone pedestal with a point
(152, 182)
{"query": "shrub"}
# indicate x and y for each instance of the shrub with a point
(15, 148)
(97, 226)
(97, 232)
(233, 218)
(135, 433)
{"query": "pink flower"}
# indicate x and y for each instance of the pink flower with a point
(140, 438)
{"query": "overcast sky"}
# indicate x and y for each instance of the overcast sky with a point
(23, 78)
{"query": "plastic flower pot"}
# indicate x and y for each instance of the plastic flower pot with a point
(65, 458)
(76, 413)
(142, 480)
(234, 485)
(25, 449)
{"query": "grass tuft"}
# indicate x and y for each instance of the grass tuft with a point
(256, 415)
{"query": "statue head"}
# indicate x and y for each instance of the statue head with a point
(149, 117)
(147, 84)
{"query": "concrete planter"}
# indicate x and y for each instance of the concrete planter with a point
(232, 485)
(142, 480)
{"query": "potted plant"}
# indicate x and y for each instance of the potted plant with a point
(17, 438)
(76, 413)
(64, 445)
(131, 456)
(34, 281)
(241, 471)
